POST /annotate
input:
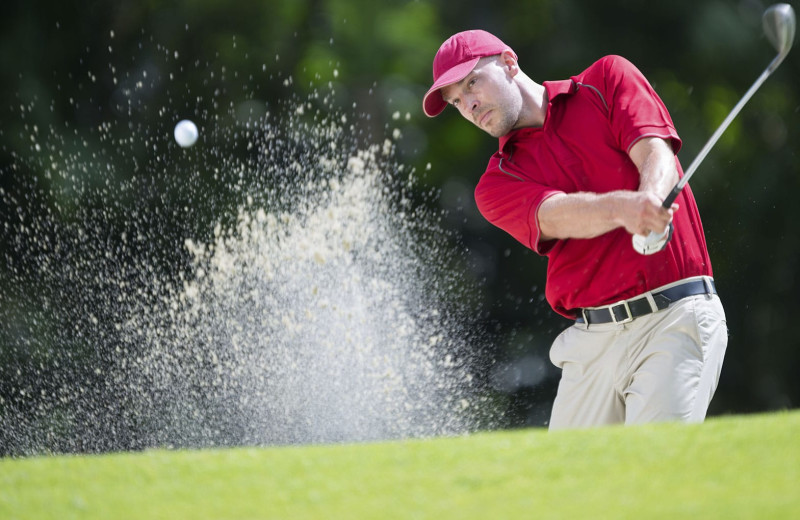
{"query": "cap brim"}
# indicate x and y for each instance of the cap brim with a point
(433, 103)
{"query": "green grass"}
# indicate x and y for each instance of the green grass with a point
(734, 467)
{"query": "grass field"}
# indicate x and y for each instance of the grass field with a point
(734, 467)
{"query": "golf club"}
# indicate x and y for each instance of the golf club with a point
(779, 26)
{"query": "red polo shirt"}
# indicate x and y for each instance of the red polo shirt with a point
(592, 121)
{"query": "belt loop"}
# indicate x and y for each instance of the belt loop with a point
(651, 301)
(709, 288)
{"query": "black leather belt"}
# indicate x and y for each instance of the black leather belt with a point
(628, 310)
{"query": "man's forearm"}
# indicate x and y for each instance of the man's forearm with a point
(588, 215)
(583, 214)
(656, 162)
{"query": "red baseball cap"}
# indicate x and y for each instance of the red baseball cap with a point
(455, 59)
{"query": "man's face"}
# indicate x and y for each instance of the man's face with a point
(488, 97)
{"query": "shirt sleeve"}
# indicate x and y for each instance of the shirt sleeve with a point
(635, 109)
(512, 204)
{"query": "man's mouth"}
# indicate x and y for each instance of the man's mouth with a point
(483, 118)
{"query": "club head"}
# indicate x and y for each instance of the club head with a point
(779, 26)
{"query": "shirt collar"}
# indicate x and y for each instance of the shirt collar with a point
(553, 89)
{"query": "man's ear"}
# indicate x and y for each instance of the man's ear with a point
(509, 62)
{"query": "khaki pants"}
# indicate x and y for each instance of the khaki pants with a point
(659, 367)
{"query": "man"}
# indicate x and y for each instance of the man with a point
(583, 164)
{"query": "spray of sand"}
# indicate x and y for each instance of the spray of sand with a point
(322, 305)
(316, 325)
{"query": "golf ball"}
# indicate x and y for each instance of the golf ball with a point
(186, 133)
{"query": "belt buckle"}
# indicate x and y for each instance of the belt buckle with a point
(627, 308)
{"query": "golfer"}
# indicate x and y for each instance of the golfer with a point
(582, 165)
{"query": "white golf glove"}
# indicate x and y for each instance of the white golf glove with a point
(654, 242)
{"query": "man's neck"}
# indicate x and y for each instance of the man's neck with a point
(534, 104)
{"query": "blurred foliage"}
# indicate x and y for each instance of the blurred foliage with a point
(701, 56)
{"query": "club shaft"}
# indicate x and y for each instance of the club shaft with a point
(715, 137)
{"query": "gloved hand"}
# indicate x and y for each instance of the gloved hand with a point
(654, 242)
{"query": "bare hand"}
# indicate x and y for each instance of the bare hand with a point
(641, 212)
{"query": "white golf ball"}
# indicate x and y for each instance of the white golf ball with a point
(186, 133)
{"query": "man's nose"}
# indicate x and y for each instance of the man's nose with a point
(473, 104)
(470, 105)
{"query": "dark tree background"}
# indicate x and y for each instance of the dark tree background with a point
(701, 56)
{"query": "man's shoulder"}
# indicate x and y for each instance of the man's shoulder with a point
(606, 66)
